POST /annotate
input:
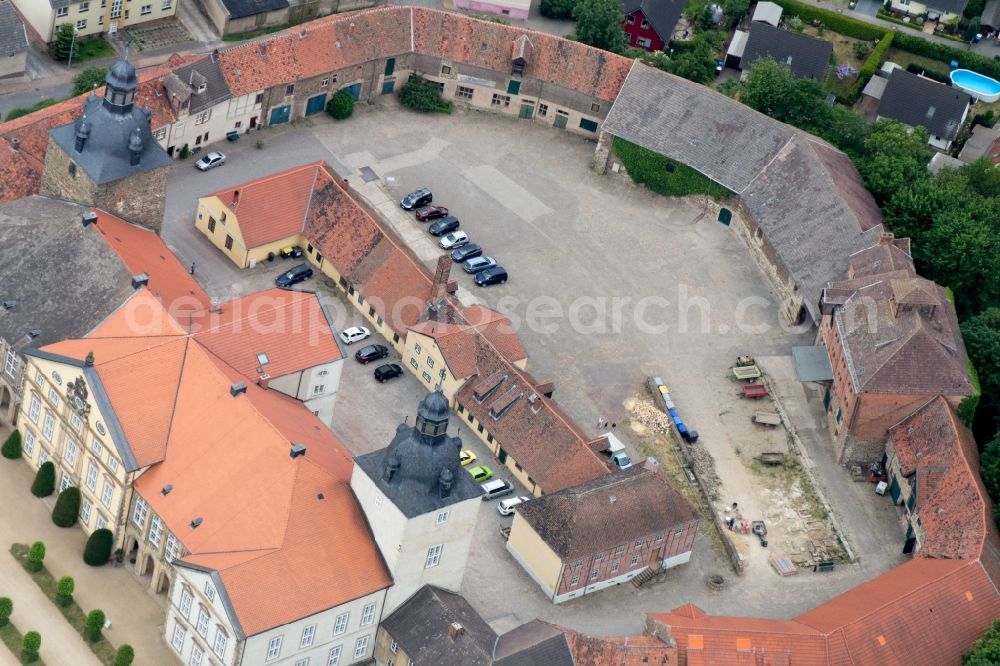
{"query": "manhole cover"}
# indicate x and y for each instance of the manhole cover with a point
(715, 582)
(368, 175)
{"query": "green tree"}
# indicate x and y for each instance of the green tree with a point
(972, 29)
(36, 556)
(982, 342)
(93, 625)
(599, 24)
(60, 46)
(67, 508)
(973, 8)
(12, 447)
(97, 552)
(89, 79)
(341, 105)
(45, 480)
(6, 608)
(986, 650)
(31, 642)
(124, 655)
(768, 86)
(422, 95)
(557, 9)
(64, 591)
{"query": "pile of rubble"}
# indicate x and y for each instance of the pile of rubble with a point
(654, 419)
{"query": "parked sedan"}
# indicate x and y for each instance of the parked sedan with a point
(417, 199)
(387, 371)
(453, 240)
(210, 161)
(466, 457)
(466, 252)
(294, 276)
(354, 334)
(506, 507)
(443, 226)
(431, 213)
(476, 264)
(481, 473)
(371, 353)
(495, 275)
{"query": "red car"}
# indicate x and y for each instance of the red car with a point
(431, 213)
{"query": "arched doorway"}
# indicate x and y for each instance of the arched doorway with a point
(163, 585)
(147, 567)
(5, 400)
(133, 550)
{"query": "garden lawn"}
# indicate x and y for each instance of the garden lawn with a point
(843, 52)
(88, 49)
(12, 639)
(904, 58)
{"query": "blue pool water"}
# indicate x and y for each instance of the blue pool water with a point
(976, 84)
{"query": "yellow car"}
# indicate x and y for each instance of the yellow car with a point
(466, 457)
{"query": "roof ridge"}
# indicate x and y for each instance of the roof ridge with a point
(973, 476)
(268, 178)
(177, 392)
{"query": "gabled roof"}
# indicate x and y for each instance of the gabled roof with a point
(204, 71)
(914, 100)
(806, 56)
(12, 37)
(889, 254)
(767, 12)
(242, 8)
(661, 14)
(457, 342)
(606, 512)
(532, 643)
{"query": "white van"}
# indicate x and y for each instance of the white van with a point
(496, 488)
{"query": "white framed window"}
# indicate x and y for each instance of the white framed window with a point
(107, 493)
(219, 647)
(173, 548)
(29, 442)
(76, 422)
(620, 549)
(186, 599)
(334, 658)
(340, 624)
(442, 518)
(146, 10)
(615, 566)
(85, 511)
(10, 363)
(202, 626)
(71, 450)
(308, 636)
(209, 591)
(196, 655)
(34, 408)
(368, 614)
(65, 483)
(302, 662)
(62, 11)
(43, 456)
(464, 92)
(325, 82)
(81, 24)
(54, 396)
(112, 463)
(361, 647)
(634, 561)
(91, 481)
(98, 447)
(203, 117)
(319, 388)
(393, 647)
(102, 522)
(273, 649)
(156, 533)
(167, 4)
(40, 379)
(84, 6)
(502, 101)
(178, 638)
(433, 556)
(138, 512)
(49, 426)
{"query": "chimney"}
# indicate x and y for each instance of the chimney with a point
(89, 360)
(441, 273)
(14, 143)
(455, 630)
(140, 280)
(89, 218)
(167, 488)
(237, 388)
(297, 450)
(196, 522)
(10, 304)
(82, 134)
(886, 238)
(236, 199)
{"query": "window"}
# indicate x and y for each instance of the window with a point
(211, 225)
(273, 649)
(430, 362)
(361, 647)
(186, 600)
(464, 92)
(629, 20)
(107, 492)
(101, 522)
(644, 42)
(202, 626)
(81, 24)
(599, 556)
(308, 636)
(427, 378)
(71, 452)
(167, 4)
(589, 125)
(513, 87)
(334, 658)
(393, 647)
(49, 426)
(156, 534)
(325, 82)
(62, 11)
(173, 548)
(593, 574)
(112, 463)
(289, 89)
(178, 640)
(595, 107)
(145, 10)
(340, 624)
(34, 408)
(43, 457)
(414, 363)
(40, 379)
(500, 101)
(229, 242)
(10, 363)
(543, 110)
(98, 449)
(209, 591)
(196, 655)
(203, 117)
(85, 511)
(91, 481)
(639, 543)
(615, 566)
(64, 484)
(442, 518)
(219, 647)
(138, 512)
(76, 422)
(368, 614)
(29, 442)
(54, 397)
(620, 549)
(319, 388)
(634, 561)
(445, 70)
(302, 662)
(433, 556)
(645, 23)
(259, 99)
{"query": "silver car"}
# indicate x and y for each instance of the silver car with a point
(210, 161)
(477, 264)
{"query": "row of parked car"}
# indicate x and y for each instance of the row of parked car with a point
(446, 226)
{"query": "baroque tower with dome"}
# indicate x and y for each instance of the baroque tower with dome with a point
(107, 157)
(421, 504)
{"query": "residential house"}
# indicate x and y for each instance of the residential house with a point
(983, 143)
(196, 92)
(91, 17)
(990, 19)
(421, 504)
(649, 24)
(768, 13)
(603, 532)
(514, 9)
(894, 343)
(807, 57)
(13, 42)
(942, 11)
(918, 101)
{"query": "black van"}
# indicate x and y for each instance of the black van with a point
(294, 276)
(416, 199)
(495, 275)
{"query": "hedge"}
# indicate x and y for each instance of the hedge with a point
(872, 63)
(832, 20)
(12, 447)
(648, 168)
(97, 552)
(966, 59)
(67, 508)
(45, 480)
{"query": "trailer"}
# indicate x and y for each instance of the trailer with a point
(754, 391)
(746, 372)
(771, 419)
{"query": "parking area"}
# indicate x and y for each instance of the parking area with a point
(608, 284)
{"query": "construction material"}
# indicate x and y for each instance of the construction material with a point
(767, 418)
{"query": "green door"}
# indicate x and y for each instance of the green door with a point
(894, 491)
(726, 216)
(561, 121)
(315, 104)
(502, 456)
(390, 66)
(527, 111)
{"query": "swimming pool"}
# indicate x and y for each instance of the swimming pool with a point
(977, 85)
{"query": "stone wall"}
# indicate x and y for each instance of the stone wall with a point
(140, 198)
(62, 177)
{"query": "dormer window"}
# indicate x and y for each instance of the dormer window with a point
(487, 387)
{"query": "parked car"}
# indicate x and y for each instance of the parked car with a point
(353, 334)
(371, 353)
(506, 507)
(210, 161)
(387, 371)
(495, 275)
(476, 264)
(496, 488)
(466, 457)
(291, 252)
(481, 473)
(453, 240)
(297, 274)
(431, 213)
(416, 199)
(443, 226)
(466, 252)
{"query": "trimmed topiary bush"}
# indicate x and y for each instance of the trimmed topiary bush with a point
(64, 591)
(12, 447)
(30, 644)
(6, 608)
(97, 552)
(36, 556)
(93, 626)
(67, 508)
(124, 655)
(341, 105)
(45, 480)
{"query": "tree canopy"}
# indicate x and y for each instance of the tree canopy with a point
(599, 24)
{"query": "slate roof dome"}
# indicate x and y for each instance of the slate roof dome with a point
(434, 407)
(122, 75)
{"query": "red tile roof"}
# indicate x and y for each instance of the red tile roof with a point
(457, 342)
